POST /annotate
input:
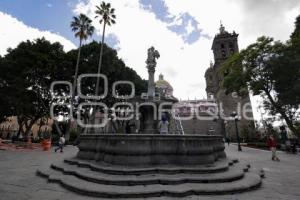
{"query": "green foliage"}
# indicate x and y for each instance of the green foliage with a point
(295, 37)
(287, 71)
(106, 13)
(113, 67)
(247, 131)
(27, 71)
(252, 67)
(82, 26)
(270, 69)
(260, 145)
(234, 76)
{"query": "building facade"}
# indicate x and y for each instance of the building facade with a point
(199, 116)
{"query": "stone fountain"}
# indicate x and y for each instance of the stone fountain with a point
(147, 164)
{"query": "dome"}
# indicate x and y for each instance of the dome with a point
(161, 83)
(164, 85)
(209, 70)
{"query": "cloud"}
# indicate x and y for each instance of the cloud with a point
(113, 41)
(137, 29)
(273, 18)
(13, 32)
(159, 8)
(250, 19)
(182, 24)
(171, 71)
(173, 27)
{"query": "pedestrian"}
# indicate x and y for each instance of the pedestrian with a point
(228, 140)
(163, 125)
(271, 141)
(294, 147)
(61, 143)
(128, 127)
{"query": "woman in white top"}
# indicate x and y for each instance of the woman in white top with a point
(163, 125)
(61, 143)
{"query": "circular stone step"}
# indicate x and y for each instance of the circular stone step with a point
(235, 173)
(219, 166)
(72, 183)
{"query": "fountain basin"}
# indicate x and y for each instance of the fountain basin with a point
(151, 149)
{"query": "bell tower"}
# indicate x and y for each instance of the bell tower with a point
(224, 45)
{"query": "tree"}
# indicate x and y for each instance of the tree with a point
(26, 73)
(287, 72)
(295, 37)
(256, 68)
(82, 26)
(113, 67)
(107, 17)
(5, 110)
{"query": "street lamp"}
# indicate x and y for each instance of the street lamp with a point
(235, 116)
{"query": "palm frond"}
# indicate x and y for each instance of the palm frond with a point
(82, 26)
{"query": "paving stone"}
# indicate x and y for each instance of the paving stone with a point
(281, 183)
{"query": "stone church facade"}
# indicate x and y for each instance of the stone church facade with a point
(224, 45)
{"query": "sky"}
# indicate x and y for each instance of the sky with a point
(182, 31)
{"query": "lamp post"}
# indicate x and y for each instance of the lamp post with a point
(235, 116)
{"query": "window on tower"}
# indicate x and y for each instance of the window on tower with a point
(222, 46)
(223, 53)
(231, 48)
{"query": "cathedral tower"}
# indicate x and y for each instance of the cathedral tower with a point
(224, 45)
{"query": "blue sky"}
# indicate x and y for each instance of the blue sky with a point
(55, 16)
(52, 15)
(186, 21)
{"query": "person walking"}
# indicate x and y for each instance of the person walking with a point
(228, 141)
(128, 127)
(271, 142)
(61, 143)
(163, 125)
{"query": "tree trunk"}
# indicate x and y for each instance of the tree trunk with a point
(57, 127)
(29, 125)
(40, 126)
(100, 59)
(98, 72)
(21, 124)
(288, 121)
(67, 133)
(76, 70)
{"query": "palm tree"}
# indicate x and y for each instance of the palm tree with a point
(83, 28)
(107, 17)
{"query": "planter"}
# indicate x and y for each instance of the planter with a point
(46, 144)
